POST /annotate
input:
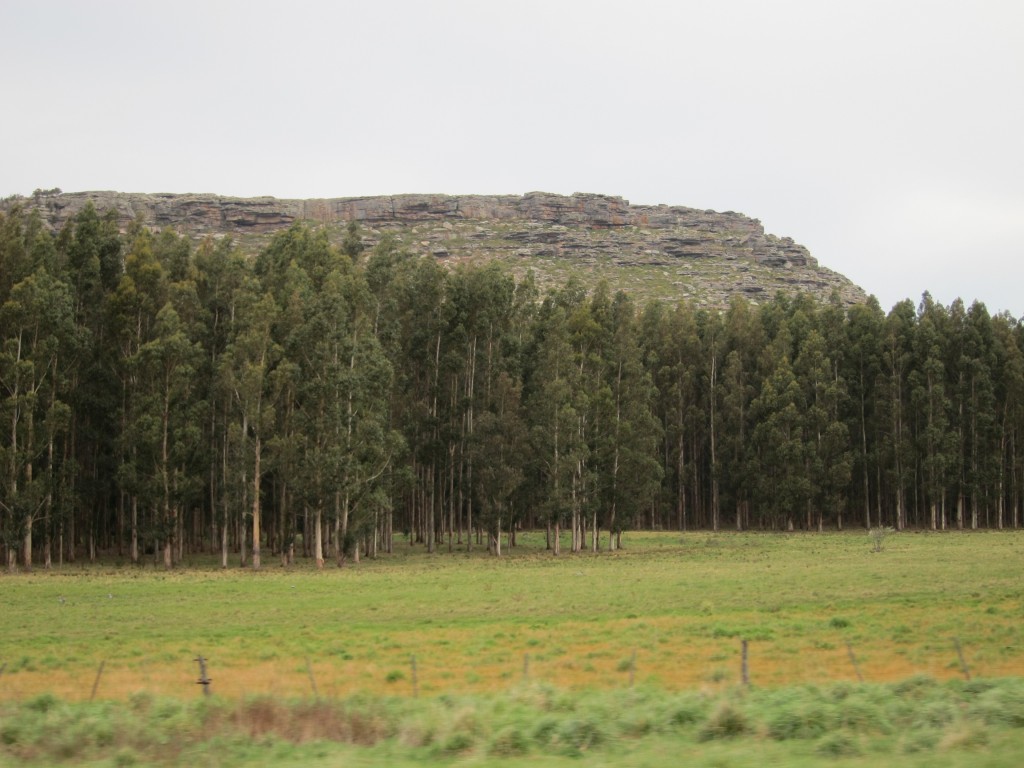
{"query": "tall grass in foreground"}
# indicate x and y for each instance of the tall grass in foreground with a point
(917, 721)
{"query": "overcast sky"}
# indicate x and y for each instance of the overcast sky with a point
(886, 136)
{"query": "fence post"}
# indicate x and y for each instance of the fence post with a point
(203, 680)
(853, 661)
(96, 683)
(312, 680)
(632, 668)
(526, 667)
(744, 667)
(963, 661)
(415, 682)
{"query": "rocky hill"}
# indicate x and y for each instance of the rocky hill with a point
(666, 252)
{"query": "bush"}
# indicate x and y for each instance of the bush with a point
(838, 744)
(575, 736)
(43, 703)
(726, 722)
(920, 741)
(1002, 705)
(688, 710)
(509, 742)
(935, 714)
(878, 536)
(803, 721)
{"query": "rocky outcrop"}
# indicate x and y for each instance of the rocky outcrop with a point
(713, 254)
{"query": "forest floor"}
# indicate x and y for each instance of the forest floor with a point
(667, 613)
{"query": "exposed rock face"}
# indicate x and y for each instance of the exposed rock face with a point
(714, 255)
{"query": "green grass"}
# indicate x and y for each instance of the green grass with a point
(918, 722)
(477, 626)
(683, 603)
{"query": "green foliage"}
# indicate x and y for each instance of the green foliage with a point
(159, 394)
(725, 722)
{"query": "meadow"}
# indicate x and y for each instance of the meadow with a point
(662, 620)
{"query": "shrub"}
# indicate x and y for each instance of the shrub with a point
(575, 736)
(688, 710)
(920, 741)
(726, 722)
(509, 742)
(803, 721)
(42, 703)
(935, 714)
(878, 536)
(1002, 705)
(838, 744)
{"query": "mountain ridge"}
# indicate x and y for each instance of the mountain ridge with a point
(654, 251)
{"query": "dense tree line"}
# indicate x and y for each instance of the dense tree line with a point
(318, 400)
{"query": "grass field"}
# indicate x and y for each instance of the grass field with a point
(478, 625)
(682, 603)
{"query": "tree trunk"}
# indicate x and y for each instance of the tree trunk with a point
(224, 545)
(714, 461)
(318, 536)
(257, 475)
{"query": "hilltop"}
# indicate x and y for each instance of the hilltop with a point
(653, 251)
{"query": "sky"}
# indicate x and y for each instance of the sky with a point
(886, 136)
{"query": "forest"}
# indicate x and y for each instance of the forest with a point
(160, 398)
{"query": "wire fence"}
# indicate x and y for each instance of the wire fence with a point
(749, 664)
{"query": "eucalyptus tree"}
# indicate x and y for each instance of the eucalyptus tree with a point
(245, 373)
(980, 417)
(863, 366)
(897, 437)
(740, 380)
(672, 351)
(481, 309)
(779, 455)
(131, 314)
(166, 424)
(829, 458)
(928, 388)
(221, 273)
(499, 445)
(711, 332)
(627, 446)
(90, 248)
(553, 402)
(1009, 377)
(36, 334)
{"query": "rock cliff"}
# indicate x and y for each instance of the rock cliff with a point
(667, 252)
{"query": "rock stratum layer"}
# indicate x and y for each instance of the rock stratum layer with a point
(660, 251)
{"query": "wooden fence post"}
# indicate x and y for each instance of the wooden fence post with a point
(744, 667)
(526, 667)
(853, 661)
(415, 682)
(312, 680)
(203, 680)
(96, 683)
(632, 668)
(963, 661)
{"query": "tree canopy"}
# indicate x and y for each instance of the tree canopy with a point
(159, 396)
